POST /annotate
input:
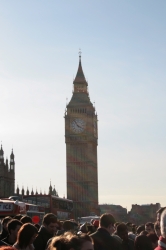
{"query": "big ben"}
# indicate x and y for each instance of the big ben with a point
(81, 137)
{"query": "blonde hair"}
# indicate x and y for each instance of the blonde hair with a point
(68, 241)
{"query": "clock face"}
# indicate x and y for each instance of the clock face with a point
(77, 125)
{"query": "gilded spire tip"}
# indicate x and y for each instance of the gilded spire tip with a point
(80, 54)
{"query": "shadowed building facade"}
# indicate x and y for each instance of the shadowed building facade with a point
(81, 136)
(7, 175)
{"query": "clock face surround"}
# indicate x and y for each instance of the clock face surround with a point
(77, 125)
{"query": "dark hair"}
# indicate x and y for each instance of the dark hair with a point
(106, 220)
(18, 216)
(129, 224)
(149, 224)
(140, 229)
(68, 241)
(26, 219)
(134, 227)
(142, 242)
(12, 224)
(49, 218)
(144, 233)
(121, 228)
(68, 225)
(26, 232)
(6, 220)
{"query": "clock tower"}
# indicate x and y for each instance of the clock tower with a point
(81, 135)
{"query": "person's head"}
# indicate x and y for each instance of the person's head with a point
(18, 216)
(26, 235)
(5, 222)
(7, 248)
(129, 226)
(122, 231)
(142, 242)
(50, 223)
(69, 241)
(163, 223)
(144, 233)
(149, 227)
(154, 239)
(159, 212)
(13, 227)
(157, 228)
(26, 219)
(68, 225)
(140, 229)
(134, 228)
(107, 221)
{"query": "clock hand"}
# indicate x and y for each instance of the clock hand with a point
(77, 124)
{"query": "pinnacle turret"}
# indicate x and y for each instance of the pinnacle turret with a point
(50, 189)
(22, 191)
(12, 162)
(27, 192)
(32, 193)
(17, 190)
(1, 153)
(12, 155)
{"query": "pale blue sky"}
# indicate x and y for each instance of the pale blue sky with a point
(123, 47)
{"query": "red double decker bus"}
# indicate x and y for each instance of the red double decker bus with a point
(61, 207)
(11, 207)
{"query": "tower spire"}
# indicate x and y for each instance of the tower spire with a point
(80, 78)
(80, 83)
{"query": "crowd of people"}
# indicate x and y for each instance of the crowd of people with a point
(20, 233)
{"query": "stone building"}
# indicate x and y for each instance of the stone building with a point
(141, 214)
(81, 137)
(7, 175)
(119, 212)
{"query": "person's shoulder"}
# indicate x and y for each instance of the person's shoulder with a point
(131, 236)
(2, 243)
(16, 246)
(158, 248)
(41, 230)
(117, 243)
(131, 241)
(117, 238)
(94, 234)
